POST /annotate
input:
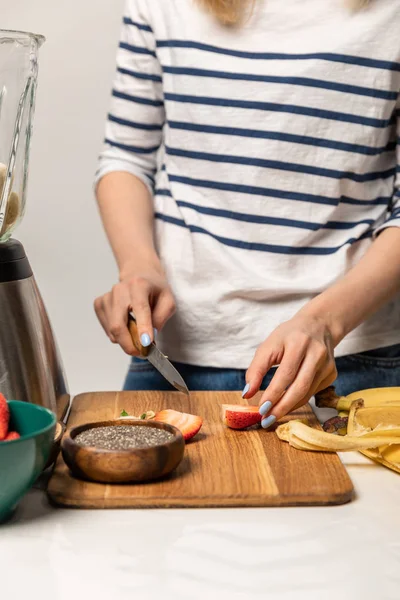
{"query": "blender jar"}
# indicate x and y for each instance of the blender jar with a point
(18, 79)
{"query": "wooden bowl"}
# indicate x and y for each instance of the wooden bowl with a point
(122, 466)
(60, 429)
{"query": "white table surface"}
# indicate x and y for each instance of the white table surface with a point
(349, 552)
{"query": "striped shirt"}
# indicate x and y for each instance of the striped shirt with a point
(272, 154)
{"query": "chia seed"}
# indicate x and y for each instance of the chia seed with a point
(123, 437)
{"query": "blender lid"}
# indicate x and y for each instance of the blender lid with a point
(14, 264)
(11, 250)
(15, 35)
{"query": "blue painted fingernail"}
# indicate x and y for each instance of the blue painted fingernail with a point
(246, 389)
(265, 408)
(265, 423)
(155, 332)
(145, 340)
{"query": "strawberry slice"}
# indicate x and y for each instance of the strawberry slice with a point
(4, 417)
(13, 435)
(189, 425)
(237, 416)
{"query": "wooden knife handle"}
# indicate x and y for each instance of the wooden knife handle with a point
(133, 330)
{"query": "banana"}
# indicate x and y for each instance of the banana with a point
(372, 397)
(14, 203)
(13, 209)
(3, 173)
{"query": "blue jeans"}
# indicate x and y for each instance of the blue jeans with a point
(375, 368)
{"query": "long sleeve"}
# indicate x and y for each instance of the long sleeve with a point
(393, 218)
(136, 118)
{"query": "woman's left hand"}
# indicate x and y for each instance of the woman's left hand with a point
(303, 349)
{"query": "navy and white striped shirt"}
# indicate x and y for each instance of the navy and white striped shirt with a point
(272, 153)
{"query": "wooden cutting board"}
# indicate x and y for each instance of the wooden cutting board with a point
(221, 467)
(63, 406)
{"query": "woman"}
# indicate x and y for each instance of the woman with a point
(250, 191)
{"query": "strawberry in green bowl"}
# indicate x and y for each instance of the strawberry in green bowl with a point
(26, 440)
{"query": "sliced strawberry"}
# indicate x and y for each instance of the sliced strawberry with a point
(237, 416)
(189, 425)
(4, 417)
(13, 435)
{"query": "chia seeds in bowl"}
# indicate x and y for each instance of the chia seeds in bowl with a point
(128, 452)
(123, 437)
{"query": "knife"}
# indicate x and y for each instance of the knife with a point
(157, 358)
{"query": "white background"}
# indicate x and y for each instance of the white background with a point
(62, 232)
(348, 552)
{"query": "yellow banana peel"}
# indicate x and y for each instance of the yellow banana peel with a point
(372, 429)
(302, 436)
(364, 419)
(390, 457)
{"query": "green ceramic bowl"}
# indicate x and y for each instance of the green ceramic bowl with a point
(22, 461)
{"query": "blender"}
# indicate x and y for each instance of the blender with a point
(30, 365)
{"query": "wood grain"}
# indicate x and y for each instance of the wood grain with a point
(221, 467)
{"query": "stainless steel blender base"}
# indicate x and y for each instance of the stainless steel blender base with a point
(30, 366)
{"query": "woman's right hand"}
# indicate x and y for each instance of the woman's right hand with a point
(147, 294)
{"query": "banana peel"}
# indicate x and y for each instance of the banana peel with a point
(377, 420)
(390, 457)
(302, 436)
(337, 424)
(364, 419)
(372, 429)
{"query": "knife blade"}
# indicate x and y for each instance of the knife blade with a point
(157, 358)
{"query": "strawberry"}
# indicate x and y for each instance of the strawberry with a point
(189, 425)
(13, 435)
(4, 417)
(237, 416)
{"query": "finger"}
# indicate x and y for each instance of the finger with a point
(108, 311)
(300, 404)
(163, 309)
(100, 313)
(140, 304)
(284, 377)
(327, 381)
(323, 382)
(264, 359)
(99, 307)
(300, 390)
(116, 308)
